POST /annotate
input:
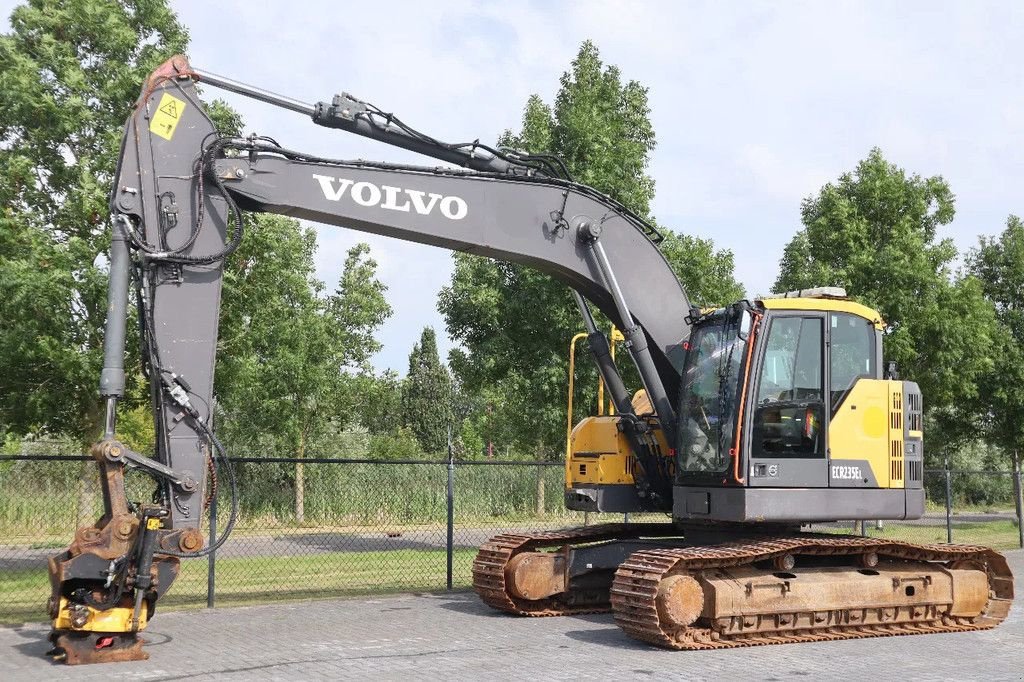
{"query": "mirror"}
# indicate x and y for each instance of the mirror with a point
(746, 322)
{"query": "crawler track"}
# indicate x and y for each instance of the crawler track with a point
(636, 583)
(494, 555)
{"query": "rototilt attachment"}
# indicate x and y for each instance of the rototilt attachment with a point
(104, 587)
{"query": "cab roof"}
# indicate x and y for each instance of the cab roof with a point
(825, 299)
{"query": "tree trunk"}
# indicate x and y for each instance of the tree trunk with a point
(300, 483)
(540, 480)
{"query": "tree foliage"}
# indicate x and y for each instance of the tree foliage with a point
(874, 232)
(288, 354)
(998, 263)
(427, 395)
(72, 69)
(514, 324)
(291, 358)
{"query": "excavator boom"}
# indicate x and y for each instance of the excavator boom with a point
(177, 206)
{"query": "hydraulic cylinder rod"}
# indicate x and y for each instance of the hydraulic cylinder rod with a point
(636, 341)
(112, 375)
(253, 92)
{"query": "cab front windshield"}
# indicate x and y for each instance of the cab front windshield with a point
(709, 393)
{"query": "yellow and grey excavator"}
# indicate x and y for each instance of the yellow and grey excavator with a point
(758, 417)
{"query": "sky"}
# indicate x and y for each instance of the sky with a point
(755, 105)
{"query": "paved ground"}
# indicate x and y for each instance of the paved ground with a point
(454, 636)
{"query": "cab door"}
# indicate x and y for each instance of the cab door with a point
(859, 407)
(788, 417)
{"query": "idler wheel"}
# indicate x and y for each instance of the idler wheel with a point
(680, 600)
(536, 575)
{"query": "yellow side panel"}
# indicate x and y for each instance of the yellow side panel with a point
(600, 453)
(860, 429)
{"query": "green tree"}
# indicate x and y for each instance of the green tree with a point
(998, 263)
(72, 69)
(290, 357)
(380, 403)
(514, 324)
(427, 395)
(874, 232)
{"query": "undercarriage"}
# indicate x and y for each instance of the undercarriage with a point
(672, 587)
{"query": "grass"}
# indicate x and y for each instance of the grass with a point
(241, 581)
(961, 507)
(996, 534)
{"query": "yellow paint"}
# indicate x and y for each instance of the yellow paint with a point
(153, 524)
(572, 387)
(168, 114)
(874, 422)
(826, 305)
(600, 453)
(616, 336)
(855, 432)
(117, 619)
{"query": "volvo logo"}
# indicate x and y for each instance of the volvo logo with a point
(392, 198)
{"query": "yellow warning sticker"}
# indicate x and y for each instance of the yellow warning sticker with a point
(167, 115)
(154, 524)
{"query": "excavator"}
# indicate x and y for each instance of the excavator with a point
(753, 420)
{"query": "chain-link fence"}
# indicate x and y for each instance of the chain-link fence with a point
(974, 507)
(360, 526)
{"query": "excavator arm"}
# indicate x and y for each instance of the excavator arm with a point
(178, 209)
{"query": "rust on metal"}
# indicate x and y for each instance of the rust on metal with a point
(82, 648)
(759, 590)
(912, 590)
(970, 591)
(175, 67)
(191, 540)
(680, 599)
(489, 567)
(536, 575)
(94, 549)
(784, 562)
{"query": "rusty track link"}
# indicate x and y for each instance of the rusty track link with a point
(494, 555)
(636, 582)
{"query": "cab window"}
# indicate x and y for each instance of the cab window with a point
(790, 405)
(851, 353)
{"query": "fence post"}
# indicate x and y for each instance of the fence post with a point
(211, 558)
(949, 501)
(1018, 497)
(450, 499)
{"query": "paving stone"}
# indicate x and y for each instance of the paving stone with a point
(413, 637)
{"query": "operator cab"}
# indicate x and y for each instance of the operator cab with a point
(783, 415)
(768, 387)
